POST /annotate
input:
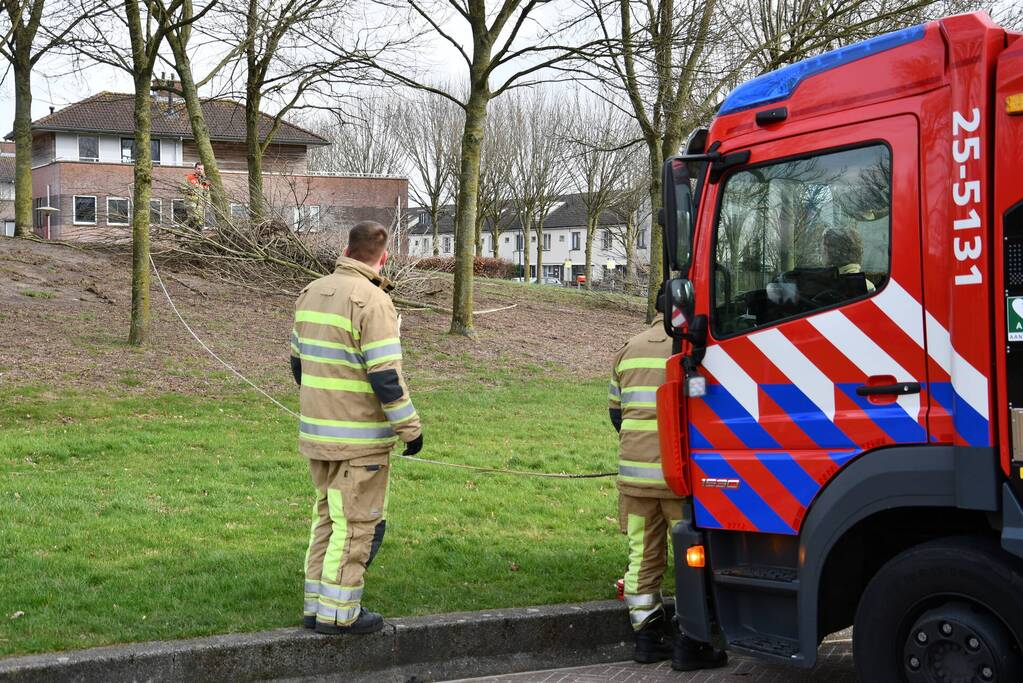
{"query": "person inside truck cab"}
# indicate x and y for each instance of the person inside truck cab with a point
(843, 249)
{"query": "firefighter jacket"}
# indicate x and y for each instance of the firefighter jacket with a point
(637, 373)
(354, 401)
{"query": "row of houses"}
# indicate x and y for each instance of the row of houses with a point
(564, 241)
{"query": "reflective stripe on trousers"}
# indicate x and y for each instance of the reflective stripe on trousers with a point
(643, 607)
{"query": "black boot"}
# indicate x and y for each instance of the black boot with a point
(690, 655)
(653, 642)
(367, 622)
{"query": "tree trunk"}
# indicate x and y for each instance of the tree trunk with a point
(465, 210)
(539, 251)
(254, 154)
(630, 255)
(479, 232)
(495, 235)
(200, 131)
(139, 329)
(527, 230)
(656, 272)
(22, 145)
(435, 226)
(591, 232)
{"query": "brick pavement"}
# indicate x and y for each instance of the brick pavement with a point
(834, 666)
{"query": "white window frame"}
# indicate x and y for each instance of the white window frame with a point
(606, 240)
(446, 244)
(74, 209)
(159, 211)
(119, 199)
(546, 241)
(576, 241)
(641, 239)
(89, 159)
(237, 210)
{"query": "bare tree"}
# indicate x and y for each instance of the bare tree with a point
(364, 139)
(34, 28)
(428, 134)
(632, 209)
(507, 48)
(548, 150)
(179, 38)
(494, 205)
(146, 33)
(600, 140)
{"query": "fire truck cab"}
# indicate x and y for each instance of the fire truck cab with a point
(844, 255)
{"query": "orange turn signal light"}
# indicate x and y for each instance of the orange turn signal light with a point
(695, 556)
(1014, 104)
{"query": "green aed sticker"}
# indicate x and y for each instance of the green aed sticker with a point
(1014, 317)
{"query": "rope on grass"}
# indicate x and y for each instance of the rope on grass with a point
(474, 468)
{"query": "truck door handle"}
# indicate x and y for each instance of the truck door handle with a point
(898, 389)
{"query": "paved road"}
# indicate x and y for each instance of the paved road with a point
(834, 666)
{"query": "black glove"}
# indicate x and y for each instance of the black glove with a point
(616, 418)
(414, 446)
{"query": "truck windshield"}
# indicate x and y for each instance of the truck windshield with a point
(800, 235)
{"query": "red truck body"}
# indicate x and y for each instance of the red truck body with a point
(860, 407)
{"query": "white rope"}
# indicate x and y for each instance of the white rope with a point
(492, 470)
(211, 351)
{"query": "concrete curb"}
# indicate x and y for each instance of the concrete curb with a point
(433, 648)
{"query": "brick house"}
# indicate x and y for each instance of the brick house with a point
(82, 170)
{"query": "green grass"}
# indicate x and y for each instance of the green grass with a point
(38, 294)
(132, 518)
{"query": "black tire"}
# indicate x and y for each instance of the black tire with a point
(965, 586)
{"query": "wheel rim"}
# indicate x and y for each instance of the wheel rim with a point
(958, 642)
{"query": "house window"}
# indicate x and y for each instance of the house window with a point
(447, 244)
(38, 219)
(532, 238)
(117, 211)
(155, 212)
(546, 242)
(128, 152)
(88, 148)
(179, 212)
(575, 241)
(84, 210)
(518, 242)
(641, 239)
(507, 240)
(605, 240)
(306, 218)
(238, 212)
(561, 238)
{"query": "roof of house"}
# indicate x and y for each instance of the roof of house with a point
(6, 168)
(570, 212)
(112, 113)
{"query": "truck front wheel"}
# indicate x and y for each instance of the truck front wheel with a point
(942, 612)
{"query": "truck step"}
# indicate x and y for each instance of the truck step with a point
(767, 645)
(776, 579)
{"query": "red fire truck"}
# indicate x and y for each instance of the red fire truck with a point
(844, 247)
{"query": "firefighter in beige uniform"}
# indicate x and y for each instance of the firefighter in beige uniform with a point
(648, 509)
(346, 355)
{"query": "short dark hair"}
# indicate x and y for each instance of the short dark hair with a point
(843, 246)
(196, 165)
(367, 241)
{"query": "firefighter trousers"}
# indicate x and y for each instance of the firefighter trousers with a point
(349, 520)
(647, 522)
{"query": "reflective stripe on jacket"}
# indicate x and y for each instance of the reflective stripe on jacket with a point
(346, 329)
(637, 373)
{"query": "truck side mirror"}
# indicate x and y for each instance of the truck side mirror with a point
(678, 306)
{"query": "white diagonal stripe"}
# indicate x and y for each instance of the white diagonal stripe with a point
(899, 305)
(804, 374)
(866, 355)
(968, 382)
(734, 379)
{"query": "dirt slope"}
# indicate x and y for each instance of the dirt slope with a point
(64, 315)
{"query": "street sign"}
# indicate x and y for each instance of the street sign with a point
(1014, 317)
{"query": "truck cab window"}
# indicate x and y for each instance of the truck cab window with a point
(800, 235)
